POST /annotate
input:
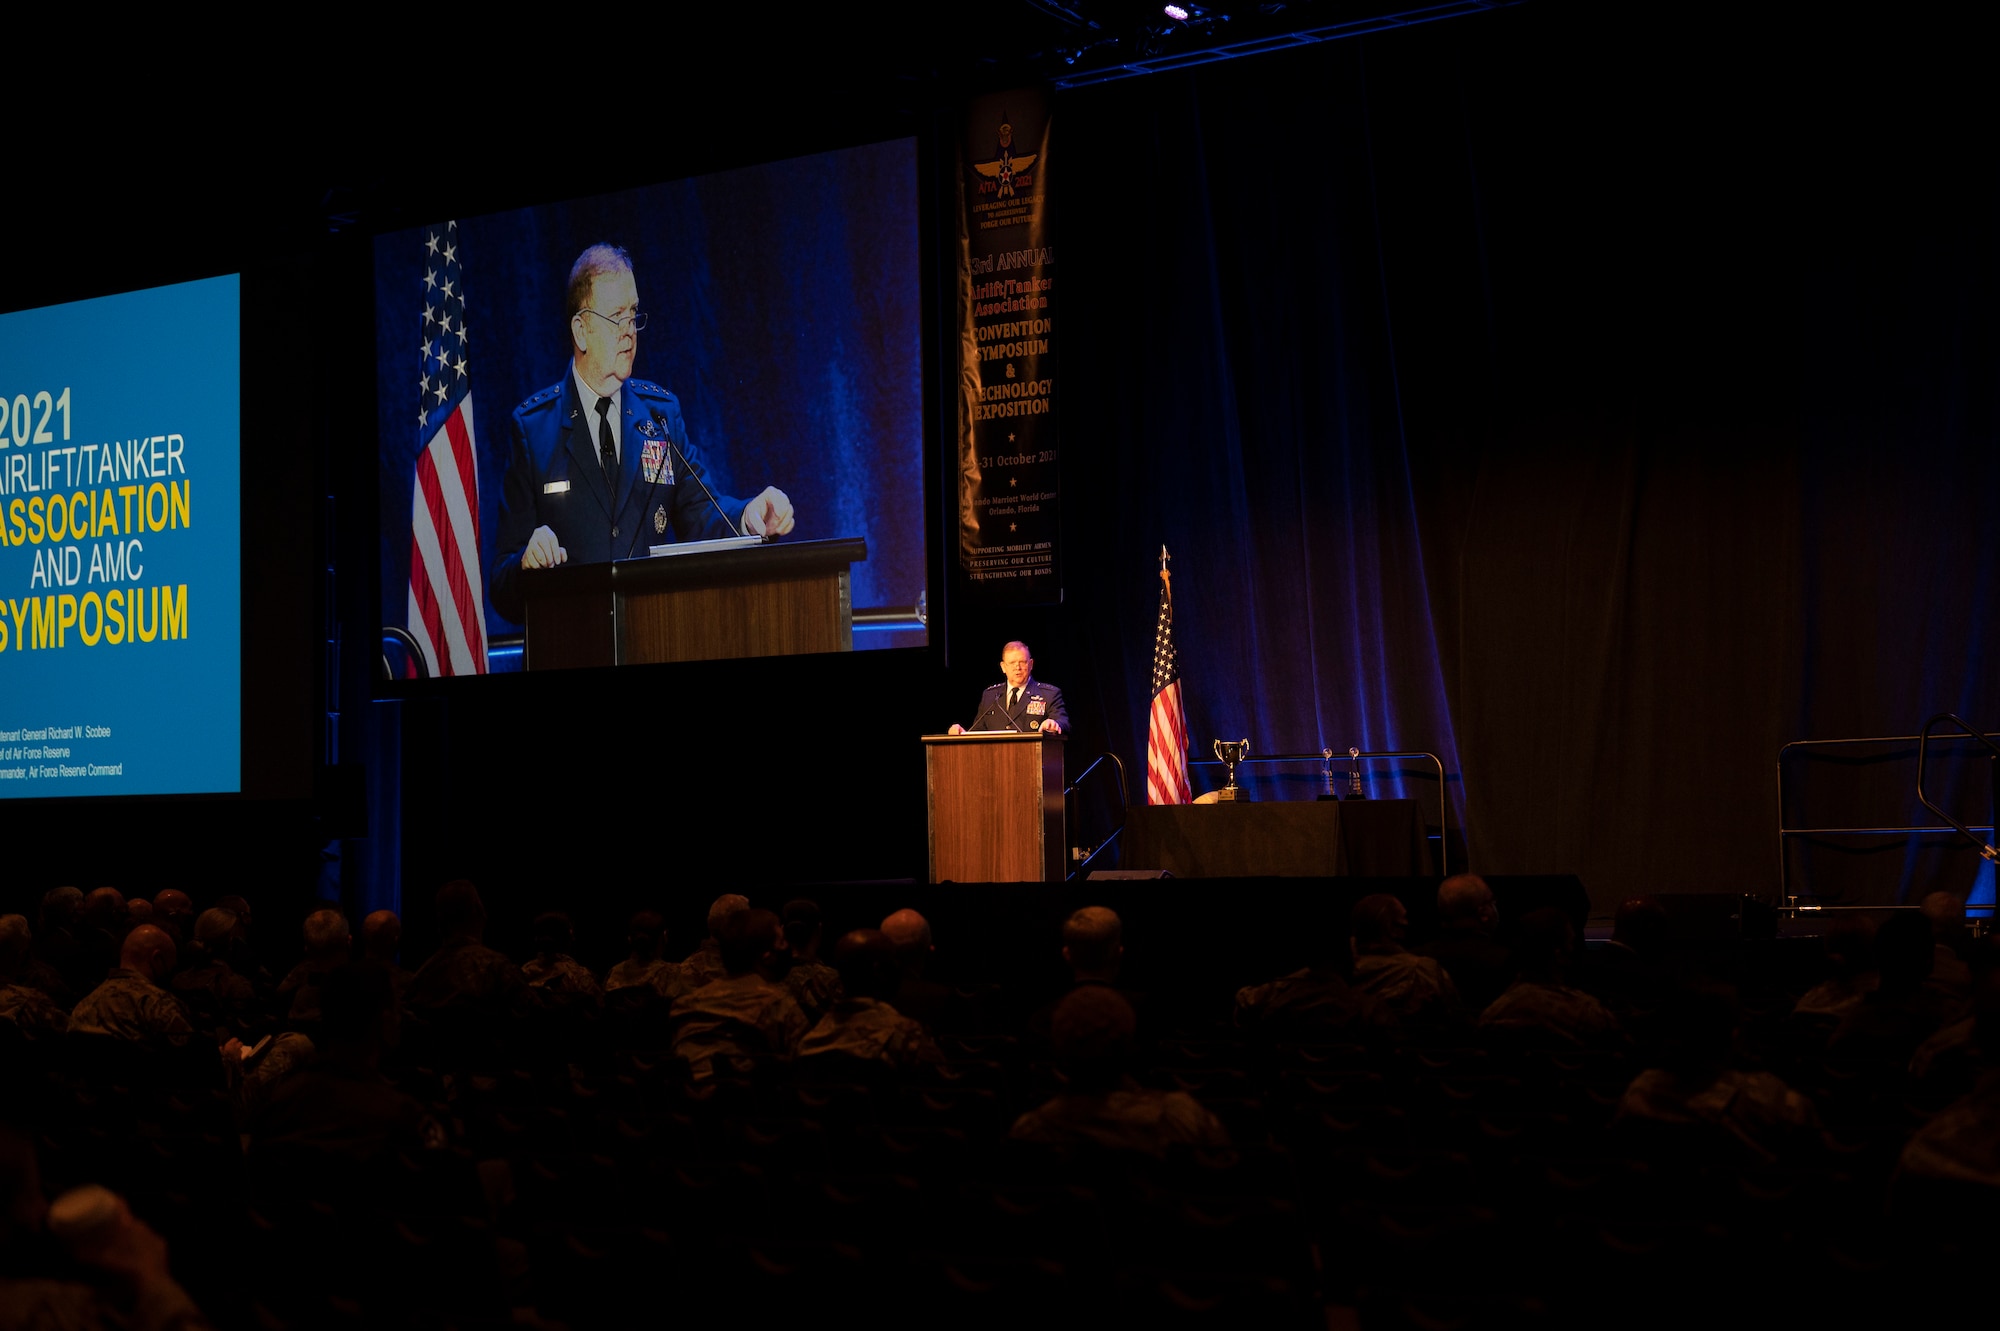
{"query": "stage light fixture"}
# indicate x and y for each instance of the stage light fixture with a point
(1176, 13)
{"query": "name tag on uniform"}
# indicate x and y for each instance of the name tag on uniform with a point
(556, 488)
(1036, 707)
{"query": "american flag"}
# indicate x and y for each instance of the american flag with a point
(1166, 732)
(447, 595)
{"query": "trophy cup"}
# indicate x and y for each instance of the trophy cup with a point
(1231, 752)
(1355, 790)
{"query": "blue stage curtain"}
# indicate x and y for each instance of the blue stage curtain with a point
(1605, 423)
(1235, 398)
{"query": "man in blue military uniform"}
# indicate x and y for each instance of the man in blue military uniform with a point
(1022, 702)
(601, 466)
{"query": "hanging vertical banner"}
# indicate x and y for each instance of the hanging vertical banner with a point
(1007, 450)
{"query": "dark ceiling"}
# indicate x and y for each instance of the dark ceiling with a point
(376, 123)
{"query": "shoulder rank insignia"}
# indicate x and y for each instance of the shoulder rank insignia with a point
(539, 399)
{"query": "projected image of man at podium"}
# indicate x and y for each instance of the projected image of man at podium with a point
(1023, 703)
(601, 467)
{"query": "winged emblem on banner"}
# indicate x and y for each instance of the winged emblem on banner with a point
(1005, 164)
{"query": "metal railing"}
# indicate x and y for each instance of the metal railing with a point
(1788, 903)
(1326, 758)
(1085, 855)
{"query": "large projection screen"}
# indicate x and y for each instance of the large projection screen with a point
(783, 315)
(120, 545)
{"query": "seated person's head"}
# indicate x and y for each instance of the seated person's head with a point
(1946, 912)
(174, 904)
(1905, 951)
(1849, 944)
(15, 940)
(62, 907)
(139, 910)
(1543, 945)
(751, 940)
(867, 963)
(460, 912)
(646, 935)
(239, 906)
(1641, 925)
(1697, 1028)
(802, 926)
(1465, 903)
(105, 908)
(554, 934)
(213, 929)
(381, 935)
(1094, 943)
(719, 911)
(1091, 1037)
(357, 1006)
(327, 938)
(1379, 925)
(149, 952)
(911, 933)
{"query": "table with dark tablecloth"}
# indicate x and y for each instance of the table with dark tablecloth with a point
(1289, 839)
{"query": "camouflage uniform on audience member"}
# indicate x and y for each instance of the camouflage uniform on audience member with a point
(1311, 1002)
(30, 1011)
(1556, 1008)
(214, 987)
(872, 1031)
(38, 974)
(668, 979)
(1131, 1119)
(629, 974)
(1756, 1108)
(816, 987)
(1413, 987)
(1952, 1044)
(704, 964)
(128, 1006)
(464, 972)
(745, 1017)
(215, 978)
(1836, 998)
(1961, 1143)
(562, 974)
(286, 1054)
(298, 977)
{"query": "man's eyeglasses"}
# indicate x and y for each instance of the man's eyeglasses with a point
(636, 322)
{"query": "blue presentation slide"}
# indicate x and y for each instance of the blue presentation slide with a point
(120, 545)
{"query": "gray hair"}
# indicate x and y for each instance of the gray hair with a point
(595, 262)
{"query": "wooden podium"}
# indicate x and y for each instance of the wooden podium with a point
(766, 600)
(996, 807)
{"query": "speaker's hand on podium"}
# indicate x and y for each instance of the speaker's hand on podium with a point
(543, 550)
(956, 729)
(769, 514)
(1051, 728)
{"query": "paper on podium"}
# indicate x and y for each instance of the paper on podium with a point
(701, 547)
